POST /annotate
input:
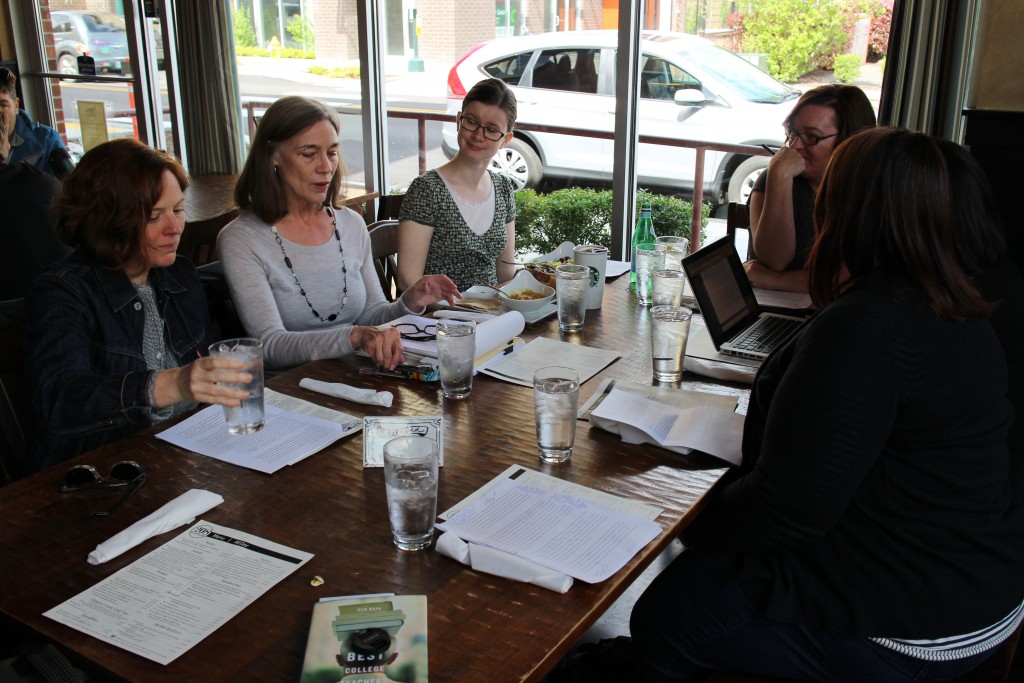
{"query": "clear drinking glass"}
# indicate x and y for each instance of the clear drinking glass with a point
(676, 249)
(649, 258)
(667, 287)
(572, 284)
(670, 328)
(248, 417)
(410, 475)
(556, 395)
(456, 352)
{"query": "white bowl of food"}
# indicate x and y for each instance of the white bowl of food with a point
(526, 293)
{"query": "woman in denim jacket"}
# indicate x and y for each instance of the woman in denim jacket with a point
(117, 332)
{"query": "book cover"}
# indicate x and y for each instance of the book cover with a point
(377, 639)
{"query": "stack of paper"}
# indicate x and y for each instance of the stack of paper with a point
(492, 336)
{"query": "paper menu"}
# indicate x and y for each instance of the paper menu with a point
(167, 601)
(519, 367)
(490, 334)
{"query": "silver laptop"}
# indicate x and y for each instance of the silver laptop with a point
(737, 324)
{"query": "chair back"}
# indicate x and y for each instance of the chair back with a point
(738, 218)
(199, 241)
(15, 415)
(384, 249)
(389, 206)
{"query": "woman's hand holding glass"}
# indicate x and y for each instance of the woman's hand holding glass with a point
(430, 289)
(204, 380)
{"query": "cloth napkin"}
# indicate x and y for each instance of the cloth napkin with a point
(500, 563)
(355, 394)
(180, 511)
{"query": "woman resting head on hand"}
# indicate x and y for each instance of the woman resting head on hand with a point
(299, 268)
(117, 333)
(782, 200)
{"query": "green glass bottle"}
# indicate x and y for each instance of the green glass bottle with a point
(644, 234)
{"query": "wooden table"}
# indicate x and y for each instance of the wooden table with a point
(481, 628)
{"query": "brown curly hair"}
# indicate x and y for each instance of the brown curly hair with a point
(108, 198)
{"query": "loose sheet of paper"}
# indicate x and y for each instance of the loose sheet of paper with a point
(573, 536)
(519, 367)
(165, 602)
(712, 430)
(669, 395)
(286, 438)
(556, 485)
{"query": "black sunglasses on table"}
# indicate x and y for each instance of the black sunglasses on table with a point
(87, 478)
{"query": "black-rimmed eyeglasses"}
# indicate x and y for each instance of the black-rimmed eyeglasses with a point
(809, 139)
(472, 125)
(414, 332)
(87, 478)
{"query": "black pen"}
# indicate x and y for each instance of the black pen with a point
(768, 149)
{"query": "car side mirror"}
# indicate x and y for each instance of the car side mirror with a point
(689, 97)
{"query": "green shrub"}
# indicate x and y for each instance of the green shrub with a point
(846, 68)
(297, 53)
(795, 34)
(301, 31)
(251, 51)
(583, 216)
(241, 21)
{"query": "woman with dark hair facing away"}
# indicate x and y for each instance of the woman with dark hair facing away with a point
(117, 332)
(870, 533)
(299, 268)
(460, 219)
(782, 200)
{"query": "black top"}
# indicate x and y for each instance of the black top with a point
(873, 498)
(30, 240)
(803, 217)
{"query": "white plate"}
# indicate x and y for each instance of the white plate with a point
(563, 250)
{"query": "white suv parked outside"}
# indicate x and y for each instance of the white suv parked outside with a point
(689, 89)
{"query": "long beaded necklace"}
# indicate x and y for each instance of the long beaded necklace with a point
(344, 272)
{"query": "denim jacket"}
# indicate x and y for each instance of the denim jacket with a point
(86, 372)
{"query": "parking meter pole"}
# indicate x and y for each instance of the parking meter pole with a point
(415, 64)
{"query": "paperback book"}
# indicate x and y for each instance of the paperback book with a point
(378, 639)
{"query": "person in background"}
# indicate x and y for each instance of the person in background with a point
(459, 219)
(871, 532)
(117, 333)
(28, 141)
(782, 201)
(32, 242)
(299, 268)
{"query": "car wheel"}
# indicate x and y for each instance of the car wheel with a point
(743, 178)
(519, 162)
(68, 64)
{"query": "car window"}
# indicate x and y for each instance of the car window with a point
(660, 79)
(573, 69)
(747, 80)
(509, 69)
(61, 23)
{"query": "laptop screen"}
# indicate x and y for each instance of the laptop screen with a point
(722, 289)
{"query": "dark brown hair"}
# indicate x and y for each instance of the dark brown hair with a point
(259, 189)
(885, 206)
(495, 92)
(851, 106)
(107, 200)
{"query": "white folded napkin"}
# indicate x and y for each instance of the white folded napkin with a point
(723, 371)
(180, 511)
(355, 394)
(500, 563)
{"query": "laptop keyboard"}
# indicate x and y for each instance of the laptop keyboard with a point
(766, 335)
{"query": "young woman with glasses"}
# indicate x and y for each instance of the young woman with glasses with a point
(299, 267)
(459, 219)
(782, 200)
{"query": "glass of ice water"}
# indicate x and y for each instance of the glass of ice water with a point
(667, 287)
(248, 417)
(649, 258)
(410, 475)
(456, 351)
(676, 249)
(573, 284)
(670, 328)
(556, 395)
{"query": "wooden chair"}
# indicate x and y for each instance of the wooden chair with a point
(389, 206)
(384, 248)
(995, 669)
(199, 241)
(738, 218)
